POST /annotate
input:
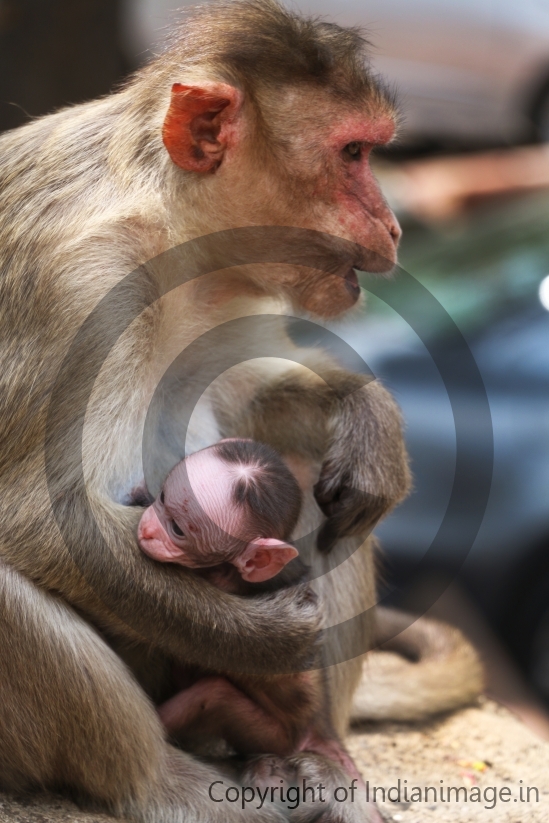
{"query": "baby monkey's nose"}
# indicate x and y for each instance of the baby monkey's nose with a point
(148, 524)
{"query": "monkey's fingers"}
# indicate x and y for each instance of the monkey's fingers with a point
(328, 495)
(327, 537)
(299, 605)
(349, 511)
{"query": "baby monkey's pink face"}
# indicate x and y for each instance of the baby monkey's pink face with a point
(196, 523)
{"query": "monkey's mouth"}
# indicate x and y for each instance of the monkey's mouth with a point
(351, 284)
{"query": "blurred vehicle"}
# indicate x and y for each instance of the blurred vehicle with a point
(489, 270)
(464, 70)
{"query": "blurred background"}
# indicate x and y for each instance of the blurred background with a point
(469, 180)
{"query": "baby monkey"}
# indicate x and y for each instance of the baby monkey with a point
(227, 512)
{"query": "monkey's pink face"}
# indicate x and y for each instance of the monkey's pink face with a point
(363, 215)
(342, 198)
(313, 173)
(321, 179)
(193, 521)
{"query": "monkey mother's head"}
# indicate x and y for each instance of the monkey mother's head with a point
(269, 118)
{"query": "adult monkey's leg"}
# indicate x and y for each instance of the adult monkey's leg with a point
(81, 720)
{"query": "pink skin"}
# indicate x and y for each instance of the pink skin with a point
(198, 503)
(364, 212)
(248, 727)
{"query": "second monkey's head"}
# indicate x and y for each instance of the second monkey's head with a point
(234, 502)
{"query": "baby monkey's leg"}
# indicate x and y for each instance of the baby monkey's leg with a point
(213, 705)
(332, 749)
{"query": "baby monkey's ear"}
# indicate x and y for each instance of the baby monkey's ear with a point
(263, 558)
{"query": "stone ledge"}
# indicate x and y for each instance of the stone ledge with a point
(45, 809)
(480, 746)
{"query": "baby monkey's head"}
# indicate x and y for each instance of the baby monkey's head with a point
(235, 502)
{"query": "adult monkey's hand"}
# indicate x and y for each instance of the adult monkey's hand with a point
(348, 425)
(365, 471)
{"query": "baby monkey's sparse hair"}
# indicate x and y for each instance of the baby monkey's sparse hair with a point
(264, 485)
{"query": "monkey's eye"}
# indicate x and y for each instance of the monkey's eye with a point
(162, 496)
(176, 530)
(353, 151)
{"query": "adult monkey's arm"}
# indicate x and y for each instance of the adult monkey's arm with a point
(89, 554)
(348, 423)
(117, 586)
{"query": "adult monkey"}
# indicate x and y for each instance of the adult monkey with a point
(253, 117)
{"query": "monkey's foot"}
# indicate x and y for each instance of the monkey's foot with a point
(311, 789)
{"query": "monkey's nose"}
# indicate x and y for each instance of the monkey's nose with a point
(147, 532)
(147, 524)
(395, 231)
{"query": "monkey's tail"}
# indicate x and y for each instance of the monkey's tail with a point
(427, 668)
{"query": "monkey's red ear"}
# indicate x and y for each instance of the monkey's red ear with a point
(200, 125)
(263, 558)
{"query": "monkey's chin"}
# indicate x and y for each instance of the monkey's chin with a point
(332, 296)
(376, 262)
